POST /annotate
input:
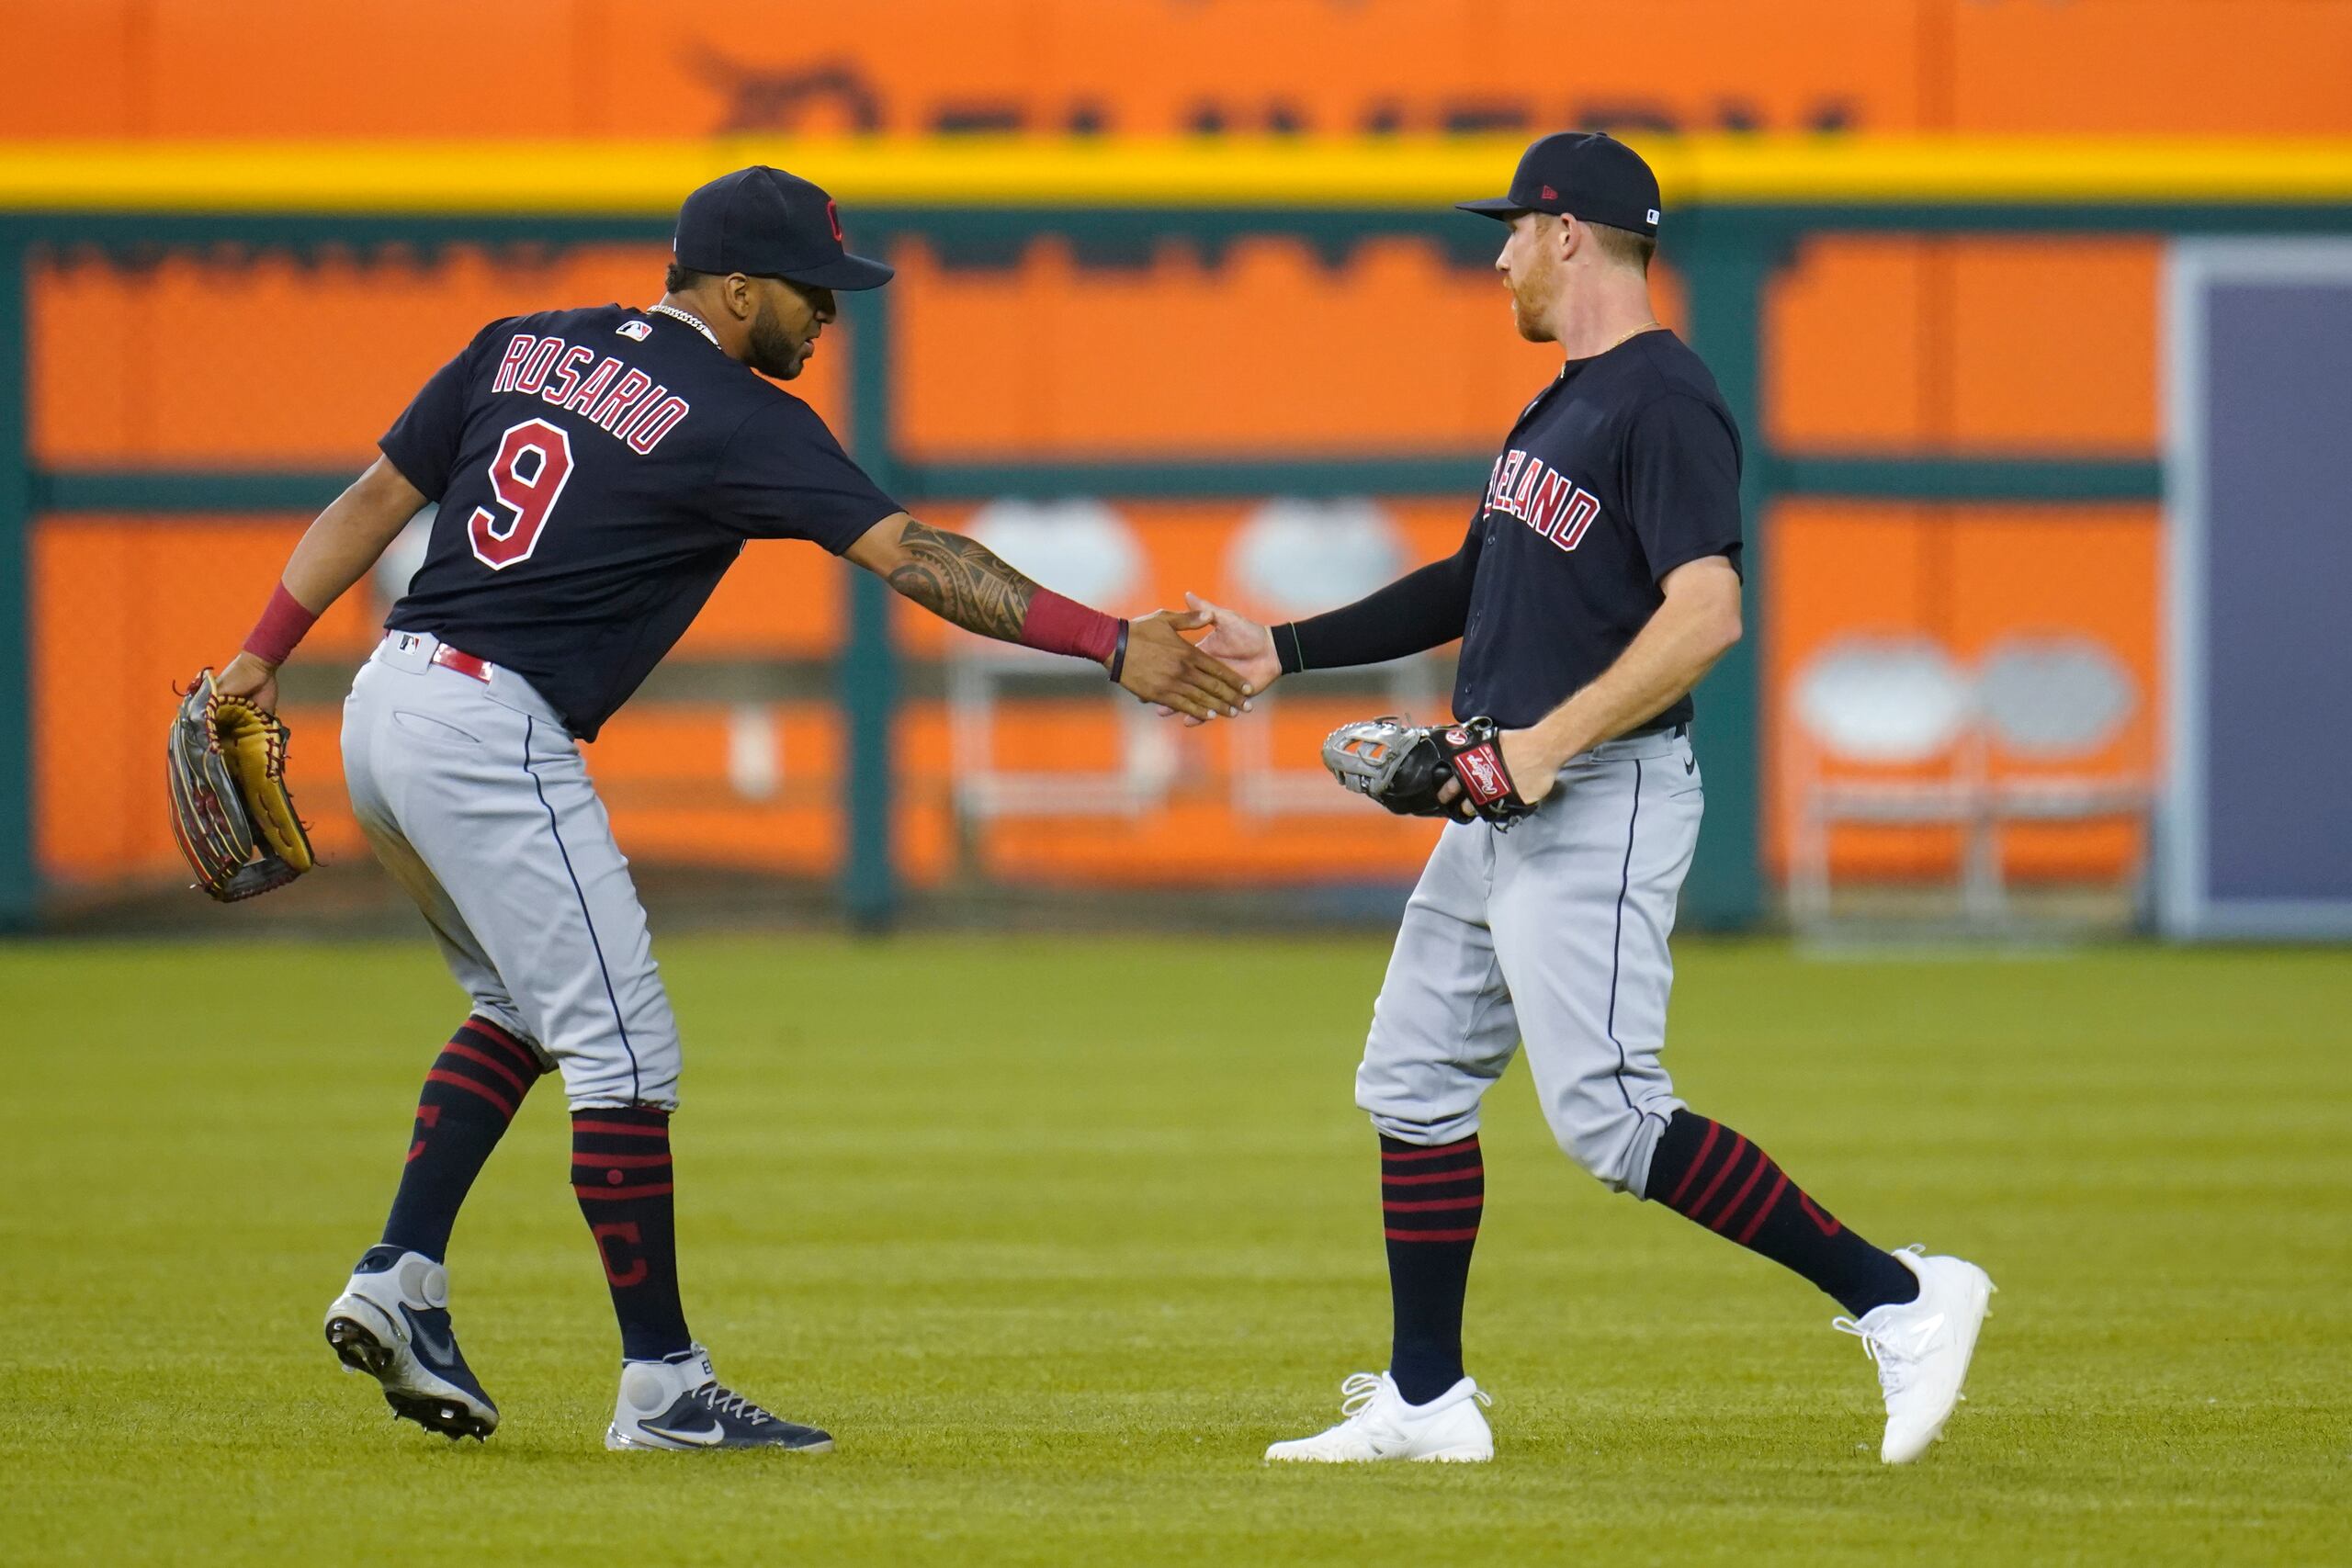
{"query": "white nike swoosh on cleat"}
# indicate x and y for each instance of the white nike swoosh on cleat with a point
(707, 1438)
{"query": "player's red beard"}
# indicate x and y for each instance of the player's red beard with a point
(772, 350)
(1527, 301)
(1531, 268)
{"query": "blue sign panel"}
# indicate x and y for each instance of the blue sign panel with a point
(2256, 832)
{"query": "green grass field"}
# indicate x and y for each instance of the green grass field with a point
(1056, 1234)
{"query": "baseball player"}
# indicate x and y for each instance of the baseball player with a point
(1598, 581)
(597, 471)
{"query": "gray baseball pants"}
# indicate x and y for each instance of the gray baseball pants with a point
(1554, 933)
(475, 798)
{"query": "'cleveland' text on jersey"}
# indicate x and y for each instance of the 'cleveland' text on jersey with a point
(1552, 504)
(1624, 468)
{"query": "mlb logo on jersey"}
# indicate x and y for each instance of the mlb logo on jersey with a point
(1545, 500)
(640, 331)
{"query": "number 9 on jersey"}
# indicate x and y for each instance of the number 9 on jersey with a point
(527, 477)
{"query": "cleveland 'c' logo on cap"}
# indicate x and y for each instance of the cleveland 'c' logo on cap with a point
(833, 217)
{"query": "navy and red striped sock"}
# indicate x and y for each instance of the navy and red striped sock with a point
(1430, 1201)
(620, 1170)
(1705, 1171)
(471, 1095)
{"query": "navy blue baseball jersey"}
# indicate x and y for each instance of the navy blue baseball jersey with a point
(1624, 468)
(598, 471)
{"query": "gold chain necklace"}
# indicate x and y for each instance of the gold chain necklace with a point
(1630, 336)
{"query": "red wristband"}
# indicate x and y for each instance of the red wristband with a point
(281, 627)
(1063, 625)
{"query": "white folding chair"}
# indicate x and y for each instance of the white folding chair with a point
(1290, 559)
(2049, 703)
(754, 751)
(1084, 550)
(1883, 702)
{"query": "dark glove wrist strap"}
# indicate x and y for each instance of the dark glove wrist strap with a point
(1119, 654)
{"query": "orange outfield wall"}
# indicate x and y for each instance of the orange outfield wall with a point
(637, 68)
(1889, 343)
(1878, 344)
(1892, 345)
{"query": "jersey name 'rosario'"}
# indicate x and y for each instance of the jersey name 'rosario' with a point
(598, 470)
(1624, 468)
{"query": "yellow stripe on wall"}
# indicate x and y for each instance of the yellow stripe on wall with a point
(649, 176)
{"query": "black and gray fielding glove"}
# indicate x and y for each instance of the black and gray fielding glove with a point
(1404, 766)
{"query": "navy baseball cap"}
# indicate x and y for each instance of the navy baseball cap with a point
(1588, 174)
(766, 223)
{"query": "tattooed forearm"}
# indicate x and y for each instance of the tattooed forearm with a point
(961, 580)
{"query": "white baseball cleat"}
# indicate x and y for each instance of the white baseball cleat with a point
(392, 1323)
(680, 1403)
(1922, 1348)
(1380, 1425)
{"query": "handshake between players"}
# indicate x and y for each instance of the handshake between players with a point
(598, 470)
